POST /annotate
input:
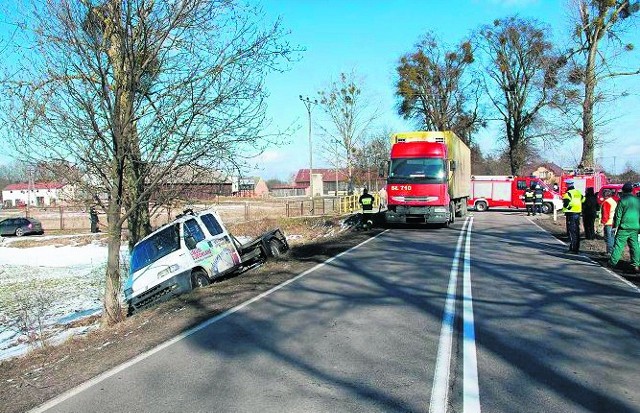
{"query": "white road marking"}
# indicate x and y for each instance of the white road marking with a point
(76, 390)
(471, 392)
(627, 282)
(440, 389)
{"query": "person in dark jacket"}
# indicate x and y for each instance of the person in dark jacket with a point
(93, 218)
(538, 195)
(528, 200)
(366, 202)
(589, 212)
(626, 220)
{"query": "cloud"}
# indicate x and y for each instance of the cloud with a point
(270, 156)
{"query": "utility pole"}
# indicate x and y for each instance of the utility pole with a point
(309, 104)
(336, 160)
(30, 187)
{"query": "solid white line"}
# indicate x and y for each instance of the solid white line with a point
(627, 282)
(471, 392)
(440, 389)
(76, 390)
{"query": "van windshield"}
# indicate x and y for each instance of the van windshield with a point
(429, 170)
(155, 247)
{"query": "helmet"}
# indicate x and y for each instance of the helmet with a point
(627, 187)
(537, 186)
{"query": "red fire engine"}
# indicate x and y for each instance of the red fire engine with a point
(501, 191)
(582, 178)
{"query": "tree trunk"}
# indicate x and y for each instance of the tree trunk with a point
(139, 221)
(121, 135)
(588, 139)
(112, 307)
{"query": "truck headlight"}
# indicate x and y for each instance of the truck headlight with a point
(439, 209)
(168, 270)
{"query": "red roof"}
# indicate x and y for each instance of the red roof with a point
(328, 175)
(23, 186)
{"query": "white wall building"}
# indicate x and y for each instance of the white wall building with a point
(40, 194)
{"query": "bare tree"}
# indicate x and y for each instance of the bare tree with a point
(133, 90)
(371, 156)
(596, 20)
(522, 78)
(436, 90)
(350, 116)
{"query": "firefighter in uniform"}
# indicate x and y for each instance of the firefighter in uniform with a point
(528, 201)
(538, 194)
(572, 208)
(366, 201)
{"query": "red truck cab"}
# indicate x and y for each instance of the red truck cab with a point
(428, 178)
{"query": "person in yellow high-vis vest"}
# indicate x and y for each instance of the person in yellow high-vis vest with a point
(572, 208)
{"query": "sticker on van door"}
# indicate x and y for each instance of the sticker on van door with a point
(195, 241)
(225, 255)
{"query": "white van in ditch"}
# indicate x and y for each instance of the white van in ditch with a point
(190, 252)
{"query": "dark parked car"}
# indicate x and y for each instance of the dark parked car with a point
(20, 226)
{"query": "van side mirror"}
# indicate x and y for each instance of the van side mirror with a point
(190, 242)
(452, 165)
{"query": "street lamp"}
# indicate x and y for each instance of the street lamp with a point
(308, 103)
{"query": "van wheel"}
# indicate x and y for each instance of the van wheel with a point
(481, 206)
(275, 248)
(547, 208)
(199, 279)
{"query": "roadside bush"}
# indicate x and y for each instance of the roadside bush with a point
(29, 311)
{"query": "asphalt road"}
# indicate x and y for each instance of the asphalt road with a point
(490, 315)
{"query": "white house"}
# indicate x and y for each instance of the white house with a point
(40, 194)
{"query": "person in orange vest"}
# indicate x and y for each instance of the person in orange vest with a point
(607, 210)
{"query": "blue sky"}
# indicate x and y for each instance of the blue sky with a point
(370, 36)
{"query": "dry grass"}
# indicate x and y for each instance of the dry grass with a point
(71, 240)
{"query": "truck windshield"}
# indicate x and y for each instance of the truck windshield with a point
(429, 170)
(155, 247)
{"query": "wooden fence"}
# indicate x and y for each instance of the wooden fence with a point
(72, 218)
